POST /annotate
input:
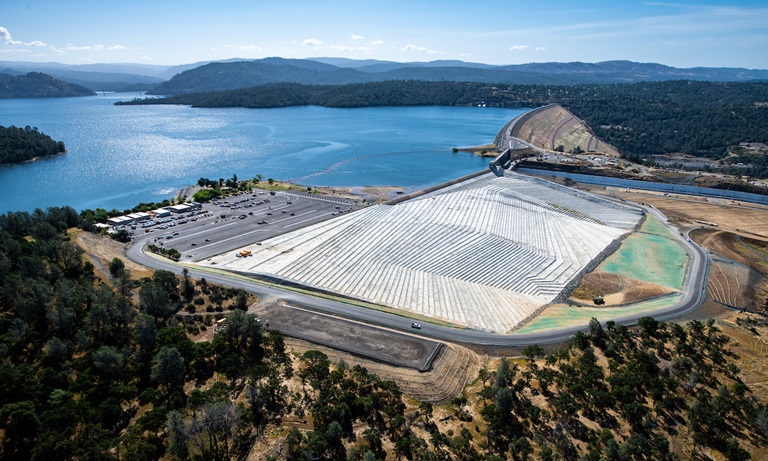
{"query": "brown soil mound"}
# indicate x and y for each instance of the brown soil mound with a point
(734, 285)
(615, 289)
(732, 246)
(737, 275)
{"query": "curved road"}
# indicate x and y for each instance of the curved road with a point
(694, 293)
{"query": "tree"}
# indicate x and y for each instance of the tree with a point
(115, 266)
(241, 300)
(596, 333)
(532, 353)
(167, 280)
(213, 433)
(109, 362)
(146, 333)
(168, 368)
(122, 236)
(188, 287)
(502, 373)
(20, 424)
(316, 368)
(153, 300)
(649, 325)
(177, 435)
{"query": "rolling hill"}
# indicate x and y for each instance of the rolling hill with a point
(240, 73)
(337, 71)
(38, 85)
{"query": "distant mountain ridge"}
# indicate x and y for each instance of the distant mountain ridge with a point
(240, 73)
(38, 85)
(337, 71)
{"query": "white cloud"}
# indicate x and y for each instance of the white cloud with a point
(5, 35)
(411, 48)
(245, 48)
(357, 37)
(311, 42)
(350, 48)
(377, 42)
(518, 47)
(540, 48)
(98, 47)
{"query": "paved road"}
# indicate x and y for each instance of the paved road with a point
(694, 293)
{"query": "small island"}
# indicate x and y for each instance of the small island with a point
(18, 145)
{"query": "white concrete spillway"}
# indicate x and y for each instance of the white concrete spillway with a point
(486, 254)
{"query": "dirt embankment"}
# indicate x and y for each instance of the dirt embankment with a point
(738, 268)
(738, 246)
(555, 126)
(615, 289)
(101, 250)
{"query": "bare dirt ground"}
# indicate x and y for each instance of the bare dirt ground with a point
(733, 284)
(737, 275)
(373, 194)
(739, 244)
(733, 247)
(743, 218)
(380, 344)
(101, 250)
(615, 289)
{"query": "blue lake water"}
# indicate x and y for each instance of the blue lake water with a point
(119, 156)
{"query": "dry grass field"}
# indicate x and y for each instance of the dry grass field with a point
(101, 250)
(748, 219)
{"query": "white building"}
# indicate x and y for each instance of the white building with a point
(161, 213)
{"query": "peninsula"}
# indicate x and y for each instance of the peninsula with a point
(18, 145)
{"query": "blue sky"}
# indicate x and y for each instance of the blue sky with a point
(678, 33)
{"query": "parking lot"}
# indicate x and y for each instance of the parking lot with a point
(236, 221)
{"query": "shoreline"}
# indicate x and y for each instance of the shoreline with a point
(371, 194)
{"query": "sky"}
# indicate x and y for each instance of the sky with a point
(707, 33)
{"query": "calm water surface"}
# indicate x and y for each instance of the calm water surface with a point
(119, 156)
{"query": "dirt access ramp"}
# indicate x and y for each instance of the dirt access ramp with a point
(555, 126)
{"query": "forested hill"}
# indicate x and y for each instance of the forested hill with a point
(220, 76)
(392, 93)
(38, 85)
(22, 144)
(697, 118)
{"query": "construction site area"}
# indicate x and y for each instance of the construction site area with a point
(485, 254)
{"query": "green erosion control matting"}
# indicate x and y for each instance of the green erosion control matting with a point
(652, 255)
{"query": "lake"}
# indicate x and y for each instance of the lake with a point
(118, 156)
